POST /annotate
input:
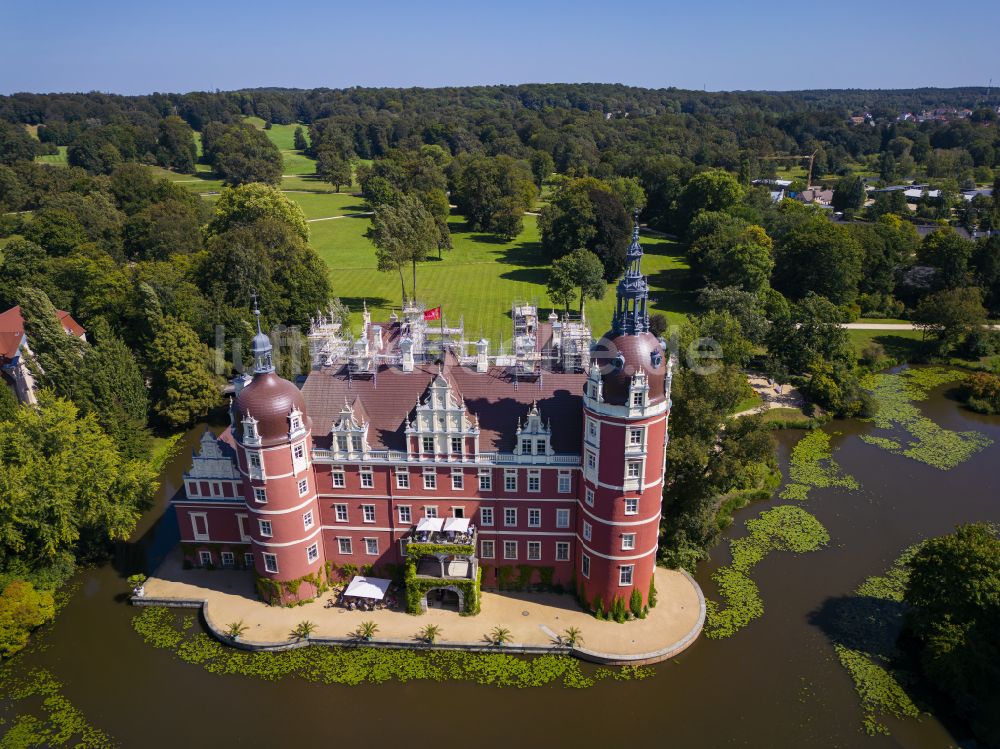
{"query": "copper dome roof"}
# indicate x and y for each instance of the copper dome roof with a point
(270, 400)
(622, 356)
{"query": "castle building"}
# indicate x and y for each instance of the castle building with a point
(539, 466)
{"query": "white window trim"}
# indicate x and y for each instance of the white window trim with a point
(562, 513)
(367, 551)
(310, 550)
(506, 523)
(485, 512)
(303, 487)
(566, 476)
(621, 574)
(536, 474)
(273, 559)
(537, 546)
(588, 497)
(340, 545)
(588, 531)
(428, 509)
(204, 554)
(505, 546)
(488, 543)
(628, 542)
(409, 512)
(627, 500)
(258, 493)
(336, 513)
(585, 565)
(270, 528)
(364, 513)
(562, 546)
(537, 524)
(194, 526)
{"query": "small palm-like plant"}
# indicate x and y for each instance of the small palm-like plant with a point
(500, 636)
(235, 629)
(303, 629)
(429, 634)
(572, 636)
(366, 631)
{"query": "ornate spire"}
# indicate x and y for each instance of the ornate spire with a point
(632, 306)
(261, 345)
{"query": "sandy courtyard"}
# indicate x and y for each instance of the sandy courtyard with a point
(534, 619)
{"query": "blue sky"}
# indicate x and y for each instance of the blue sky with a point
(141, 46)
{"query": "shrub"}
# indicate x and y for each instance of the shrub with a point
(22, 609)
(652, 593)
(618, 612)
(635, 604)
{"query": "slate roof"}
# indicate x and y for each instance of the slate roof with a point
(491, 398)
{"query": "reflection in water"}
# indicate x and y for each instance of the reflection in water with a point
(775, 684)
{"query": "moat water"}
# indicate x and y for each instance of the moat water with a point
(775, 684)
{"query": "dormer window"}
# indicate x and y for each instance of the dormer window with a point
(250, 433)
(295, 423)
(637, 398)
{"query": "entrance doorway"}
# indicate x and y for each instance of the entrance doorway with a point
(447, 599)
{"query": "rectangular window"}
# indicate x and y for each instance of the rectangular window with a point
(588, 496)
(338, 478)
(486, 516)
(402, 478)
(526, 447)
(534, 480)
(340, 513)
(456, 478)
(534, 518)
(371, 546)
(509, 516)
(591, 460)
(356, 444)
(344, 545)
(404, 514)
(562, 518)
(456, 445)
(296, 424)
(312, 553)
(565, 482)
(635, 437)
(248, 560)
(307, 520)
(588, 530)
(592, 430)
(430, 511)
(254, 459)
(540, 447)
(585, 566)
(485, 479)
(428, 444)
(368, 513)
(625, 574)
(265, 528)
(204, 558)
(510, 549)
(510, 479)
(628, 541)
(303, 487)
(430, 478)
(631, 505)
(299, 451)
(342, 443)
(260, 495)
(562, 551)
(458, 512)
(534, 550)
(270, 563)
(633, 469)
(486, 549)
(367, 479)
(637, 399)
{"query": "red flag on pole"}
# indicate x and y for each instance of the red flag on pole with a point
(433, 314)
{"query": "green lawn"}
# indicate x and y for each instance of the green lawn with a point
(481, 276)
(56, 159)
(295, 162)
(324, 204)
(899, 344)
(283, 136)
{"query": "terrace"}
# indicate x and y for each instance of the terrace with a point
(443, 548)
